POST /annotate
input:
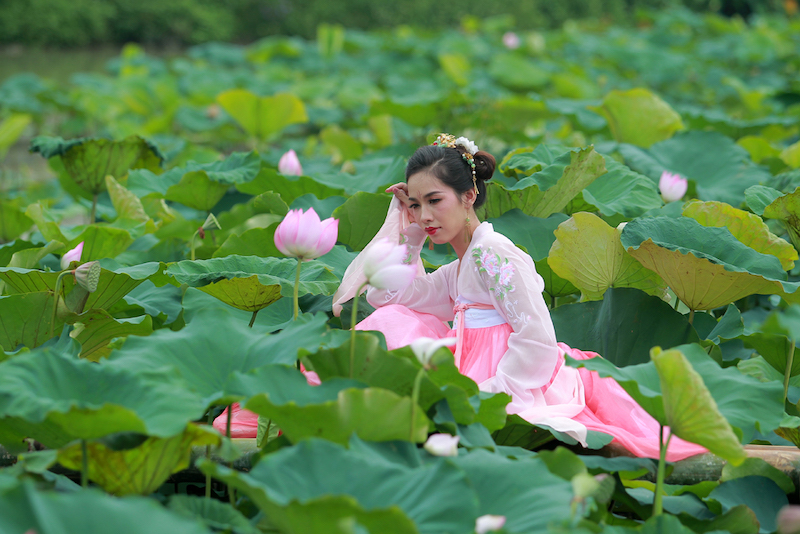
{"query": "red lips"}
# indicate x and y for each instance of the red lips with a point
(431, 230)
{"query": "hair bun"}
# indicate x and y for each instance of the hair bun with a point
(484, 165)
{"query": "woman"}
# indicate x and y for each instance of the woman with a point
(506, 340)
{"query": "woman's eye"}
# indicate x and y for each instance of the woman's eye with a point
(414, 206)
(435, 200)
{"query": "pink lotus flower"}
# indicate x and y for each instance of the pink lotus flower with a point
(489, 523)
(672, 186)
(789, 519)
(511, 40)
(72, 255)
(384, 266)
(442, 445)
(303, 235)
(290, 165)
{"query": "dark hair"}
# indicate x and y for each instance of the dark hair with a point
(448, 166)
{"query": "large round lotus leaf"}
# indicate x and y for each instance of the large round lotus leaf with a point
(588, 253)
(530, 497)
(360, 218)
(525, 161)
(215, 514)
(745, 402)
(288, 187)
(549, 190)
(721, 169)
(786, 208)
(315, 277)
(13, 221)
(624, 111)
(55, 399)
(518, 72)
(434, 497)
(246, 294)
(96, 328)
(534, 234)
(26, 509)
(216, 344)
(691, 411)
(333, 410)
(623, 326)
(760, 494)
(87, 161)
(262, 116)
(706, 267)
(623, 191)
(140, 470)
(746, 227)
(25, 319)
(758, 197)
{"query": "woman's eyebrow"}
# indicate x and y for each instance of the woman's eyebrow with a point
(426, 195)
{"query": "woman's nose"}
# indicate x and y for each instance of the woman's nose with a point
(425, 215)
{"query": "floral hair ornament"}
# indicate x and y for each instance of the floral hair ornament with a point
(470, 149)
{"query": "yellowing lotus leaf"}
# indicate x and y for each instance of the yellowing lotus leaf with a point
(786, 208)
(588, 253)
(625, 112)
(745, 226)
(791, 155)
(263, 117)
(246, 294)
(692, 413)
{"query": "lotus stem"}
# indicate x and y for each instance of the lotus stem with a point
(415, 401)
(208, 455)
(84, 464)
(94, 209)
(253, 318)
(658, 507)
(55, 300)
(191, 243)
(788, 373)
(231, 494)
(691, 316)
(297, 288)
(353, 316)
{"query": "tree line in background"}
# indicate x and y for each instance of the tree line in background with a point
(76, 23)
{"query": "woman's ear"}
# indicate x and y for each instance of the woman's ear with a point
(468, 198)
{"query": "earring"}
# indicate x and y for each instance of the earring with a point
(467, 230)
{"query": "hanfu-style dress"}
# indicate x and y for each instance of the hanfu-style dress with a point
(506, 340)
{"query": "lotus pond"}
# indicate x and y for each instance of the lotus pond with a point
(694, 304)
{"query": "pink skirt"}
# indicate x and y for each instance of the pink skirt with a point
(605, 406)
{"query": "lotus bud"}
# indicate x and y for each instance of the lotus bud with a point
(303, 235)
(442, 445)
(289, 164)
(511, 40)
(88, 275)
(672, 186)
(211, 224)
(424, 348)
(72, 255)
(489, 523)
(385, 267)
(789, 519)
(213, 111)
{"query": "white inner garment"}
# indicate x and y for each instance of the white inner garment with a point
(477, 318)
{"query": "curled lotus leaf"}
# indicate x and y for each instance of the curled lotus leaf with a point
(746, 227)
(786, 209)
(624, 111)
(588, 253)
(706, 267)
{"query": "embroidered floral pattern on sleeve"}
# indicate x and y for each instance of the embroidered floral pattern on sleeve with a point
(499, 270)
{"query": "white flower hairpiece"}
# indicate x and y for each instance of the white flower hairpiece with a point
(470, 149)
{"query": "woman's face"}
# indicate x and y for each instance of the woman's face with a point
(436, 207)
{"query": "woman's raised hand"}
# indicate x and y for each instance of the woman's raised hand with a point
(400, 190)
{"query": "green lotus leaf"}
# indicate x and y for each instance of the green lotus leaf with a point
(758, 147)
(786, 209)
(140, 470)
(333, 410)
(197, 185)
(87, 161)
(126, 204)
(11, 129)
(360, 218)
(518, 432)
(746, 227)
(554, 285)
(758, 197)
(737, 520)
(255, 279)
(624, 111)
(526, 161)
(547, 191)
(763, 496)
(262, 116)
(773, 340)
(690, 410)
(791, 155)
(721, 169)
(244, 348)
(25, 319)
(288, 187)
(7, 250)
(623, 326)
(29, 257)
(623, 191)
(251, 214)
(747, 404)
(533, 234)
(96, 328)
(25, 508)
(722, 269)
(215, 514)
(13, 221)
(55, 399)
(518, 72)
(530, 498)
(339, 144)
(758, 467)
(429, 497)
(588, 253)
